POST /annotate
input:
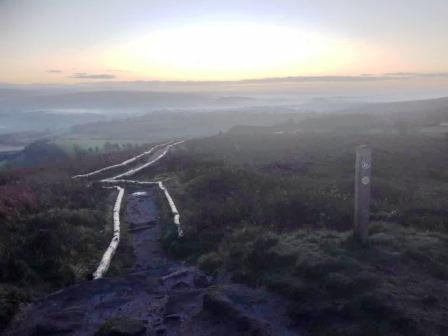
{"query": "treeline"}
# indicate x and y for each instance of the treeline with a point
(73, 159)
(107, 147)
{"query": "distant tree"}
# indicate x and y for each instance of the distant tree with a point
(108, 147)
(79, 151)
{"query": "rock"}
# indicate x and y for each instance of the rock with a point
(60, 323)
(185, 303)
(53, 329)
(218, 303)
(172, 318)
(122, 327)
(161, 331)
(181, 285)
(200, 280)
(175, 275)
(70, 314)
(430, 300)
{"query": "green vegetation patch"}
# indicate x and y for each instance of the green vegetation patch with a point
(276, 211)
(53, 233)
(392, 286)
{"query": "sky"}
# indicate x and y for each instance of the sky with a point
(54, 41)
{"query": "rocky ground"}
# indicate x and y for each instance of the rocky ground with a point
(157, 297)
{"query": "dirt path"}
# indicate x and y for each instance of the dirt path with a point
(158, 297)
(141, 215)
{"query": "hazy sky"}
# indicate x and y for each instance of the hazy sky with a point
(58, 41)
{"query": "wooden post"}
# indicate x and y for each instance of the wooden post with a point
(362, 191)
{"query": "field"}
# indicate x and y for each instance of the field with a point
(5, 148)
(74, 146)
(276, 210)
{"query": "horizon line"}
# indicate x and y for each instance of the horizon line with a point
(318, 78)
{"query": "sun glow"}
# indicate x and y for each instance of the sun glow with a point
(232, 51)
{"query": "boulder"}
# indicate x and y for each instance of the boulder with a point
(122, 327)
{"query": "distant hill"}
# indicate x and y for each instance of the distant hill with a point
(421, 112)
(379, 115)
(15, 121)
(166, 125)
(343, 123)
(119, 101)
(229, 101)
(38, 153)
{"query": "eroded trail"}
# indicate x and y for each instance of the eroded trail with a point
(157, 297)
(141, 215)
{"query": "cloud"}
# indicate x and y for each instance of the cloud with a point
(54, 71)
(410, 75)
(360, 78)
(84, 75)
(118, 70)
(433, 75)
(402, 74)
(367, 77)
